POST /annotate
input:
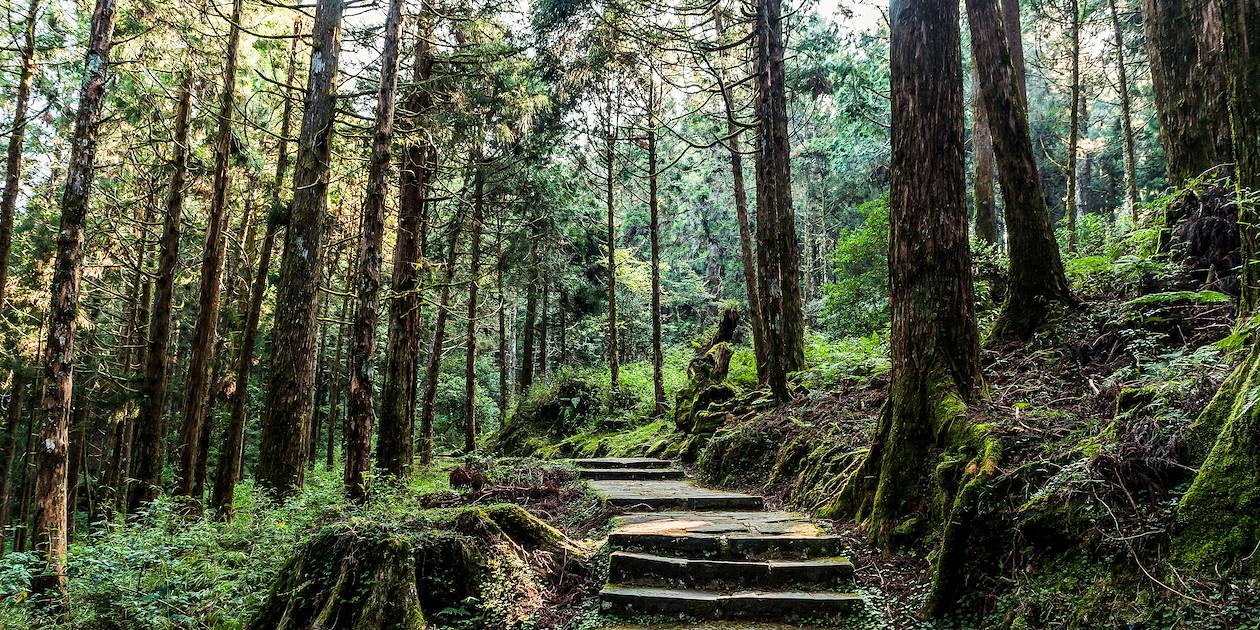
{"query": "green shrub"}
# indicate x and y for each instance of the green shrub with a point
(857, 302)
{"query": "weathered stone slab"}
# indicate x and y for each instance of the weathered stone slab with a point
(778, 605)
(641, 569)
(725, 535)
(631, 474)
(623, 462)
(671, 495)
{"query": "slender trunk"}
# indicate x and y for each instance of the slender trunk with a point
(363, 334)
(150, 422)
(394, 451)
(544, 329)
(13, 157)
(500, 263)
(982, 149)
(336, 386)
(755, 319)
(13, 418)
(1074, 127)
(526, 379)
(1036, 270)
(76, 464)
(614, 368)
(654, 229)
(470, 350)
(1126, 116)
(291, 374)
(232, 452)
(22, 525)
(50, 480)
(191, 466)
(434, 364)
(563, 314)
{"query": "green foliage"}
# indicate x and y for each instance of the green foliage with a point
(857, 302)
(830, 361)
(1172, 297)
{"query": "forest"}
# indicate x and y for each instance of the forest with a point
(628, 314)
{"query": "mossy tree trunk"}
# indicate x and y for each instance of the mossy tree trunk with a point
(1218, 520)
(935, 349)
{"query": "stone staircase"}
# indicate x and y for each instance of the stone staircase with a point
(686, 551)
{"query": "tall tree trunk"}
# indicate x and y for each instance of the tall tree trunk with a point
(433, 366)
(363, 335)
(654, 230)
(526, 379)
(1216, 531)
(232, 452)
(614, 368)
(474, 272)
(394, 450)
(935, 352)
(1242, 23)
(13, 157)
(150, 423)
(1126, 114)
(1188, 81)
(1070, 207)
(50, 479)
(75, 466)
(751, 283)
(544, 329)
(13, 419)
(1036, 270)
(192, 465)
(500, 264)
(282, 445)
(336, 386)
(983, 192)
(777, 250)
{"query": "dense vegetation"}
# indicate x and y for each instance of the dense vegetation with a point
(303, 305)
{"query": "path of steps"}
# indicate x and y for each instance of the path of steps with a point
(687, 551)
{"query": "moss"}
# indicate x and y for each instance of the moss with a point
(1218, 519)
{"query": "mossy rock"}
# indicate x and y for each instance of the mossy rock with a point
(566, 406)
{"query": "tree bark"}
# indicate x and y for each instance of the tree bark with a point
(935, 352)
(282, 445)
(1187, 76)
(1126, 113)
(983, 192)
(470, 350)
(1070, 207)
(654, 229)
(150, 422)
(777, 248)
(614, 367)
(1036, 270)
(500, 264)
(13, 419)
(67, 273)
(76, 465)
(191, 465)
(13, 157)
(359, 410)
(526, 379)
(432, 368)
(544, 329)
(755, 320)
(395, 449)
(1242, 23)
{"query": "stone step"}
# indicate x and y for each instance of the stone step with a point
(631, 473)
(641, 569)
(655, 496)
(623, 462)
(759, 536)
(780, 605)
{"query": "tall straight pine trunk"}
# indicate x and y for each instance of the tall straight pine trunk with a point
(470, 341)
(17, 135)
